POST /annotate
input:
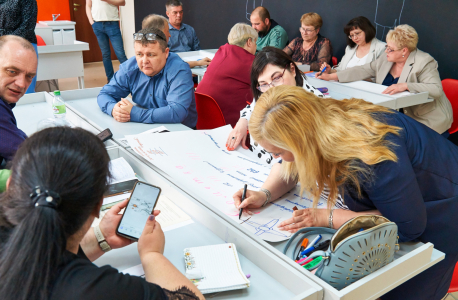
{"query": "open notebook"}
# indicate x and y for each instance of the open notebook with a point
(215, 268)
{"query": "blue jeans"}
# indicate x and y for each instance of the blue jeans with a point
(105, 32)
(31, 88)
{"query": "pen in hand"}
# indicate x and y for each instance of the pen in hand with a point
(322, 70)
(243, 198)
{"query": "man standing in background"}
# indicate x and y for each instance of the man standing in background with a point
(183, 37)
(104, 18)
(269, 32)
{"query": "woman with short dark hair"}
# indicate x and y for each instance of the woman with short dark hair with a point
(363, 47)
(55, 192)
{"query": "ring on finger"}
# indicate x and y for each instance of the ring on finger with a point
(233, 137)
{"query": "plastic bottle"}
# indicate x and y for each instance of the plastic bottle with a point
(58, 106)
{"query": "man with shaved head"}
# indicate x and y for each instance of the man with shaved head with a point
(18, 66)
(269, 32)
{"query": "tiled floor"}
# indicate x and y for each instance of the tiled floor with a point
(94, 76)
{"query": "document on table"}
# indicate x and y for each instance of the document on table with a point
(374, 88)
(205, 169)
(120, 171)
(171, 216)
(160, 129)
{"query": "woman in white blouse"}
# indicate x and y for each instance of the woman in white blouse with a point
(362, 47)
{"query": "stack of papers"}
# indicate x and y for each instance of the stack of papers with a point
(120, 171)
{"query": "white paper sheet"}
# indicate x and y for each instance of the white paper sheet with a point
(199, 162)
(120, 171)
(171, 216)
(374, 88)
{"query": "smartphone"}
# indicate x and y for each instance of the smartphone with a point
(105, 135)
(120, 187)
(141, 204)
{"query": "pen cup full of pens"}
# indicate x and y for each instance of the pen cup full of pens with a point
(340, 257)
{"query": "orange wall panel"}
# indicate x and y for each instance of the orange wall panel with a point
(48, 7)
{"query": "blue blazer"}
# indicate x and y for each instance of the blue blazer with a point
(420, 191)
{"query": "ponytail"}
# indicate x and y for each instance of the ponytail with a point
(32, 255)
(73, 165)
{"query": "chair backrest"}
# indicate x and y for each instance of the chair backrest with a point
(450, 87)
(334, 61)
(454, 284)
(209, 115)
(40, 41)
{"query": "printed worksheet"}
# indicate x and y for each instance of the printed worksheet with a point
(199, 162)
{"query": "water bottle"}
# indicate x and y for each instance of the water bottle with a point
(58, 106)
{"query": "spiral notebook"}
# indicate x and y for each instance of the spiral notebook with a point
(215, 268)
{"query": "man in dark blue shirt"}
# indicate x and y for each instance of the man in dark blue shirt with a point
(18, 66)
(183, 37)
(160, 84)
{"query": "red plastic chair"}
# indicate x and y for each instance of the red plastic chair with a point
(40, 41)
(334, 61)
(209, 115)
(450, 87)
(454, 284)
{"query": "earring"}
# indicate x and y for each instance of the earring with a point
(403, 56)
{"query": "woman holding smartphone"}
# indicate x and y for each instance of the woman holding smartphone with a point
(47, 244)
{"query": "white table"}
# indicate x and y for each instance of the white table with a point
(62, 61)
(370, 92)
(278, 273)
(195, 55)
(84, 104)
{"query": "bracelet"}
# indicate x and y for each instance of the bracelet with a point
(330, 218)
(268, 196)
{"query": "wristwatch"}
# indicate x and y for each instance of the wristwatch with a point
(101, 239)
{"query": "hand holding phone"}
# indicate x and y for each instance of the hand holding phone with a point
(141, 205)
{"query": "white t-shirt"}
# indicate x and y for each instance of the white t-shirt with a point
(355, 61)
(103, 11)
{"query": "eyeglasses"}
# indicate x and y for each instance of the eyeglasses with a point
(275, 82)
(389, 50)
(352, 36)
(306, 31)
(148, 37)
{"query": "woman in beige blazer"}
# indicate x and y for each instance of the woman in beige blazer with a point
(405, 68)
(362, 48)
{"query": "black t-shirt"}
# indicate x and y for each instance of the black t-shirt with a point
(79, 279)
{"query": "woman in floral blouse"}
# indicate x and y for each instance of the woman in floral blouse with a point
(311, 48)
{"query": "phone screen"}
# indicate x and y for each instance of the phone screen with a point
(141, 204)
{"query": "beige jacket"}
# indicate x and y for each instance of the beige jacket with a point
(421, 75)
(377, 48)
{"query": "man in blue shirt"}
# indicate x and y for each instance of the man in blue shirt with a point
(18, 66)
(183, 37)
(160, 83)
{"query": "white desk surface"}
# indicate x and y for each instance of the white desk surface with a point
(77, 46)
(84, 103)
(262, 285)
(370, 92)
(33, 108)
(199, 71)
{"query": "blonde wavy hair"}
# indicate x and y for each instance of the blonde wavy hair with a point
(328, 138)
(404, 36)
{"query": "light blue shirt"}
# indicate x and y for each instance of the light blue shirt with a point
(183, 40)
(167, 97)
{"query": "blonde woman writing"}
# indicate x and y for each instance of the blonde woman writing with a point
(381, 161)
